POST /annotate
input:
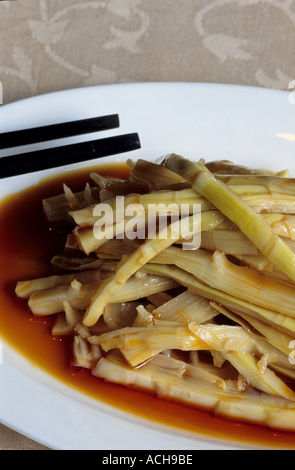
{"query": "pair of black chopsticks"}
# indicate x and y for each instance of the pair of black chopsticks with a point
(67, 154)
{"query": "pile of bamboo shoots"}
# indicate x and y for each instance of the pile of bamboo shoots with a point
(212, 327)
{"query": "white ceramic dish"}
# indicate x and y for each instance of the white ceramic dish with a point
(248, 125)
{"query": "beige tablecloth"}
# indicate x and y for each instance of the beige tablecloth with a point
(49, 45)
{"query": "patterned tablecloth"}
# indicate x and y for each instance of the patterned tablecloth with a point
(49, 45)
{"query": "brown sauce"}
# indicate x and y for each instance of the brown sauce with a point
(27, 244)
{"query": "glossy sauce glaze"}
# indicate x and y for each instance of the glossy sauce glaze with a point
(27, 244)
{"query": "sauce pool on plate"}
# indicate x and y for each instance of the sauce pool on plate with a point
(27, 244)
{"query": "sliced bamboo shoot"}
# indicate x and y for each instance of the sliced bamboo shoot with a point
(175, 383)
(231, 205)
(264, 380)
(241, 282)
(281, 322)
(145, 253)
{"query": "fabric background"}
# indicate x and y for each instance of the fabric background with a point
(50, 45)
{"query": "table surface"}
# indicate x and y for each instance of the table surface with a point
(50, 45)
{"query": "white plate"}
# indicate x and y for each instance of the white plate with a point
(248, 125)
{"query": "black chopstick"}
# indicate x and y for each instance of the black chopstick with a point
(58, 131)
(68, 154)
